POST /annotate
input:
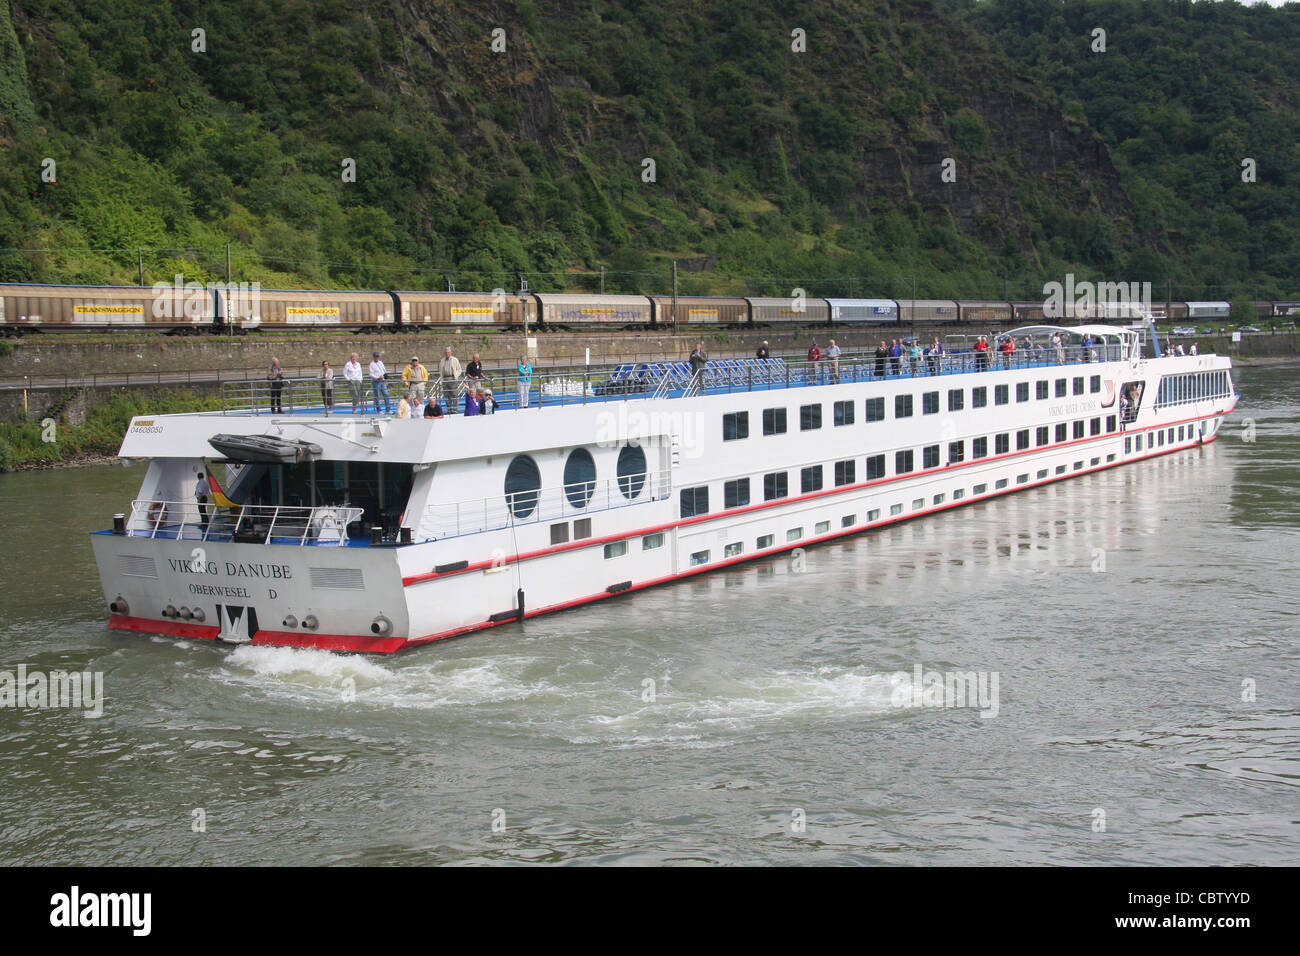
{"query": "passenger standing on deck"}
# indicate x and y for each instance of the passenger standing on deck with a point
(474, 373)
(1058, 343)
(201, 496)
(1008, 348)
(449, 378)
(486, 403)
(1087, 347)
(327, 387)
(982, 354)
(698, 362)
(471, 402)
(936, 352)
(762, 352)
(914, 355)
(896, 357)
(882, 354)
(415, 375)
(379, 384)
(276, 378)
(833, 360)
(352, 375)
(523, 380)
(815, 361)
(1194, 349)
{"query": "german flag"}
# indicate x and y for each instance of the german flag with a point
(218, 496)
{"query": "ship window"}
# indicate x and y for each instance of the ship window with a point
(810, 417)
(1128, 445)
(979, 489)
(846, 472)
(1094, 384)
(1042, 473)
(695, 501)
(1001, 444)
(875, 467)
(1043, 435)
(918, 504)
(1022, 479)
(1060, 388)
(1078, 428)
(1160, 436)
(1078, 465)
(733, 550)
(956, 399)
(735, 494)
(616, 549)
(1137, 442)
(579, 478)
(1078, 385)
(810, 479)
(1022, 439)
(875, 409)
(979, 447)
(1110, 423)
(794, 534)
(873, 514)
(930, 456)
(1000, 483)
(938, 499)
(902, 462)
(902, 406)
(581, 529)
(979, 397)
(1095, 461)
(822, 527)
(896, 509)
(956, 452)
(958, 494)
(523, 482)
(930, 403)
(1040, 389)
(1180, 432)
(735, 425)
(699, 557)
(1110, 457)
(1171, 435)
(652, 541)
(844, 413)
(847, 521)
(1022, 391)
(1001, 395)
(1060, 469)
(560, 533)
(774, 421)
(1094, 427)
(631, 470)
(1061, 431)
(776, 485)
(765, 542)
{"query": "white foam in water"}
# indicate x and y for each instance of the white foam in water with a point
(309, 667)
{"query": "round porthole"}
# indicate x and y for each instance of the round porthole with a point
(523, 482)
(631, 470)
(579, 478)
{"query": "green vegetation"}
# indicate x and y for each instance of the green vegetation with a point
(23, 445)
(772, 167)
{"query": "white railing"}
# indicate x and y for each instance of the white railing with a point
(267, 524)
(475, 515)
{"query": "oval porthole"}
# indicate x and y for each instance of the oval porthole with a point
(579, 478)
(523, 482)
(631, 470)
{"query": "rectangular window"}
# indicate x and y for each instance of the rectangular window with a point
(1161, 439)
(616, 549)
(1110, 423)
(695, 501)
(958, 494)
(1078, 428)
(1171, 436)
(774, 421)
(1022, 439)
(776, 485)
(1000, 483)
(1061, 430)
(1001, 395)
(1040, 389)
(873, 514)
(1043, 436)
(979, 448)
(1078, 385)
(735, 494)
(735, 425)
(1078, 465)
(1001, 444)
(902, 462)
(895, 510)
(582, 527)
(956, 452)
(1060, 388)
(956, 399)
(794, 534)
(1094, 384)
(1022, 479)
(937, 499)
(1022, 391)
(822, 527)
(875, 409)
(765, 542)
(560, 532)
(1110, 457)
(810, 479)
(979, 489)
(733, 550)
(930, 403)
(875, 467)
(810, 417)
(1094, 427)
(1137, 442)
(652, 541)
(699, 557)
(1042, 473)
(844, 413)
(918, 504)
(979, 397)
(1060, 469)
(1180, 432)
(848, 520)
(902, 406)
(1095, 461)
(930, 456)
(846, 472)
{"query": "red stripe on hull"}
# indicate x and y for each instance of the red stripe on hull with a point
(210, 632)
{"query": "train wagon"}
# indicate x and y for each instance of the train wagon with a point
(1028, 313)
(863, 311)
(700, 310)
(1286, 309)
(1209, 310)
(311, 308)
(928, 310)
(559, 311)
(504, 310)
(65, 308)
(983, 312)
(788, 311)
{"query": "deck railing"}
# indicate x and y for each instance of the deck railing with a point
(265, 524)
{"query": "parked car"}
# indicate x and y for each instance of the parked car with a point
(1250, 328)
(1182, 330)
(1207, 330)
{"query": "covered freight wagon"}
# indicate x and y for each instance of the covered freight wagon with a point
(458, 309)
(314, 308)
(927, 310)
(700, 310)
(980, 312)
(81, 308)
(863, 310)
(559, 310)
(788, 311)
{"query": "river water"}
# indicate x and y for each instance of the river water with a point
(1140, 624)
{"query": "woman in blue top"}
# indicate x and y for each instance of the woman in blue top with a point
(525, 380)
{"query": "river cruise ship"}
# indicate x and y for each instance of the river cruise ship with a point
(309, 527)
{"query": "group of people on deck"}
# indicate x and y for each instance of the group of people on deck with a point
(416, 400)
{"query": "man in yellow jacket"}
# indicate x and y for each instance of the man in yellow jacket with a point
(414, 376)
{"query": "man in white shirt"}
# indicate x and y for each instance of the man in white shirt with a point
(833, 359)
(378, 385)
(448, 378)
(352, 375)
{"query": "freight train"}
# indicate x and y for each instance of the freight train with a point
(193, 308)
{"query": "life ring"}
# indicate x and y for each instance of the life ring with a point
(157, 513)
